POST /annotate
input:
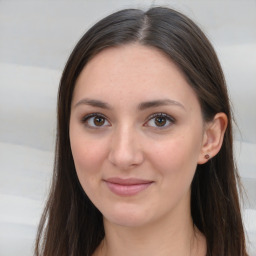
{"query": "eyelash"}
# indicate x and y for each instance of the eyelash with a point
(86, 119)
(170, 119)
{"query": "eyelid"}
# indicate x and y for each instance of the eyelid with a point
(86, 117)
(91, 115)
(160, 114)
(171, 119)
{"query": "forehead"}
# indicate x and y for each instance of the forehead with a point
(133, 72)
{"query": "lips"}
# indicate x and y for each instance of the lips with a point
(127, 187)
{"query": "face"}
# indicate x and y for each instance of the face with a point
(136, 134)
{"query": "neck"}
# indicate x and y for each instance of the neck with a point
(170, 237)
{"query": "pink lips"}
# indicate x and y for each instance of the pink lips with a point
(127, 187)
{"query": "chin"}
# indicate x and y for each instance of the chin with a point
(127, 217)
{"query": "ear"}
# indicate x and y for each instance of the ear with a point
(213, 137)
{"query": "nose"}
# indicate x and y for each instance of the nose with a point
(125, 149)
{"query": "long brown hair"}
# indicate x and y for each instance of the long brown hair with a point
(71, 224)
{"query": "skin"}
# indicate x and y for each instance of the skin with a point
(127, 141)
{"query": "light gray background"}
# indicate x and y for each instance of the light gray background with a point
(36, 38)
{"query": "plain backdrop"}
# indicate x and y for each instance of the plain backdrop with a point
(36, 38)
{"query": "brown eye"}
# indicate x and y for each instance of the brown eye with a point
(98, 121)
(95, 121)
(160, 121)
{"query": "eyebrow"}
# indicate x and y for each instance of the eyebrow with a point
(93, 103)
(142, 106)
(159, 103)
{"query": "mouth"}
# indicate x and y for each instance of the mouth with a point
(127, 187)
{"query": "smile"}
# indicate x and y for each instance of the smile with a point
(127, 187)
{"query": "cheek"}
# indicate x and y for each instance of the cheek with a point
(176, 159)
(87, 167)
(88, 156)
(174, 151)
(175, 163)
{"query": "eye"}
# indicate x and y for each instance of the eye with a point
(160, 120)
(95, 120)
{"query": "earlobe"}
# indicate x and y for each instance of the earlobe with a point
(213, 137)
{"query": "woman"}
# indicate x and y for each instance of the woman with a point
(144, 160)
